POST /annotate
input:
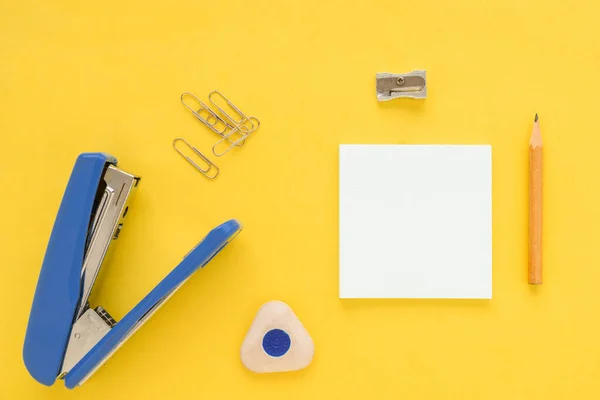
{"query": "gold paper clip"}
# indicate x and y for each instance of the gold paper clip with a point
(210, 164)
(392, 86)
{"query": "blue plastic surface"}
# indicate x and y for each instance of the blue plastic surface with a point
(276, 342)
(58, 288)
(197, 258)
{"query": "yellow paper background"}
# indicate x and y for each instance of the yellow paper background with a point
(106, 76)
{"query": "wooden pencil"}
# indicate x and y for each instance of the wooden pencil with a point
(535, 204)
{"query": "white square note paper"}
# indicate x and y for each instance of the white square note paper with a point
(415, 221)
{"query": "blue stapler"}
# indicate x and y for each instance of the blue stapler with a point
(66, 338)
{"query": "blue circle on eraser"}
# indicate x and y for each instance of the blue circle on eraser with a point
(276, 342)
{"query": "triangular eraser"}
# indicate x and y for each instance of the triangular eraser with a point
(277, 341)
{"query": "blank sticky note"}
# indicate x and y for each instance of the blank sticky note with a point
(415, 221)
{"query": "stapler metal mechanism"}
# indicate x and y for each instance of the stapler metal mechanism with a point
(66, 338)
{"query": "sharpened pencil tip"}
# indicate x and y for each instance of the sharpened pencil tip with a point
(536, 118)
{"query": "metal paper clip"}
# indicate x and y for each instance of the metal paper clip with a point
(242, 124)
(255, 126)
(233, 126)
(205, 115)
(241, 117)
(393, 86)
(209, 163)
